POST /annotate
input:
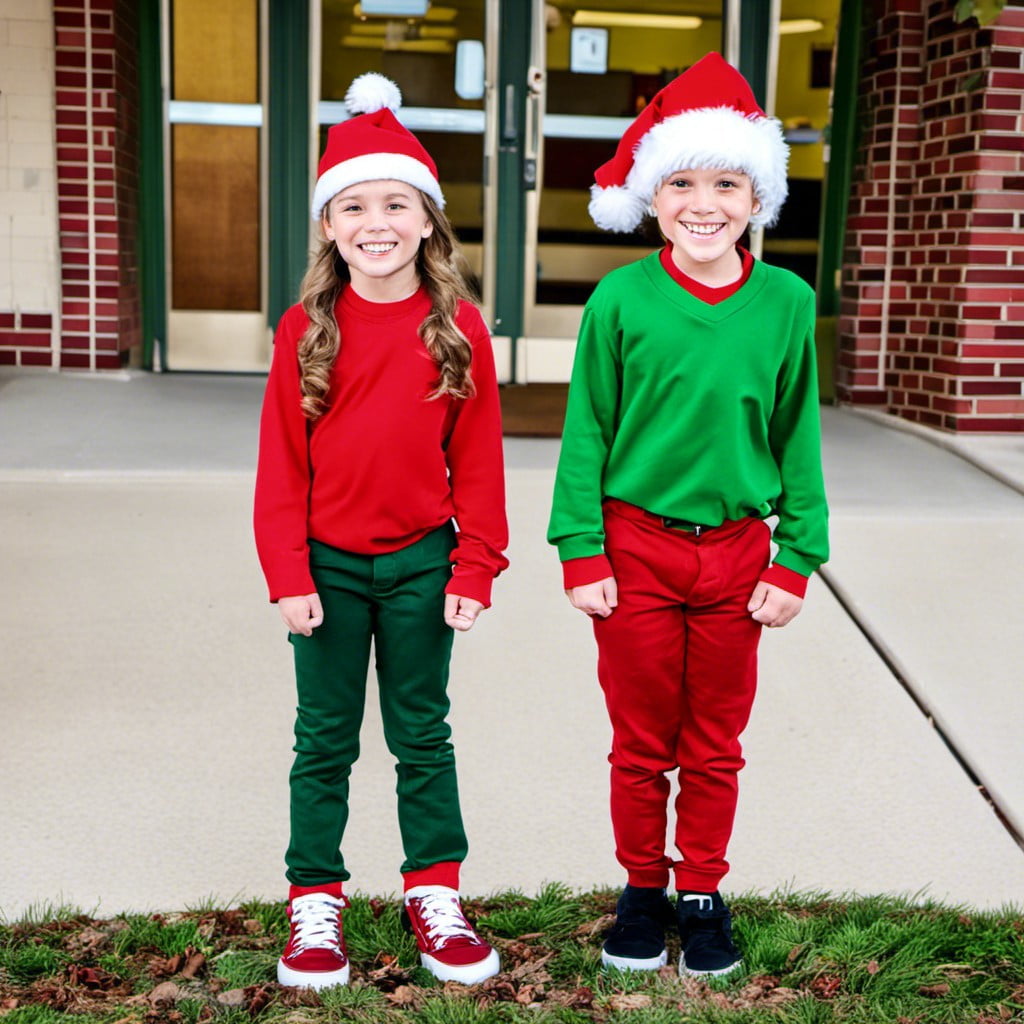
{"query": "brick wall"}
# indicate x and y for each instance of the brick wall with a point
(932, 315)
(29, 290)
(97, 175)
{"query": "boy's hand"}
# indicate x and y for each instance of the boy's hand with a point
(301, 614)
(773, 606)
(460, 612)
(598, 598)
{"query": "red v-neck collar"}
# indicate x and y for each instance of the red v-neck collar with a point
(712, 296)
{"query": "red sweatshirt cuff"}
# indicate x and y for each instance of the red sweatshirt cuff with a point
(473, 585)
(786, 579)
(578, 572)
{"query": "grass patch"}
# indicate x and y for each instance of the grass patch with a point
(158, 933)
(809, 958)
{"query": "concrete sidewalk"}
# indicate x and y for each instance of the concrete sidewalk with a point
(148, 694)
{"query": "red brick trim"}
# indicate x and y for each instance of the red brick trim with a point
(96, 46)
(26, 339)
(932, 310)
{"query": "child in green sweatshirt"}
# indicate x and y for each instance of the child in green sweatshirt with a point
(692, 419)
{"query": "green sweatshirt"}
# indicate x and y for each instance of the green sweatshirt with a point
(694, 411)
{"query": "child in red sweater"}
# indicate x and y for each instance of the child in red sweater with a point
(380, 426)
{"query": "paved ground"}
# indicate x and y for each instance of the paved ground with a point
(147, 690)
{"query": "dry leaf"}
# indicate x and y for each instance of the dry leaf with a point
(581, 998)
(826, 986)
(88, 940)
(500, 988)
(631, 1001)
(934, 991)
(166, 992)
(528, 994)
(233, 997)
(596, 927)
(404, 995)
(193, 966)
(258, 997)
(532, 970)
(389, 976)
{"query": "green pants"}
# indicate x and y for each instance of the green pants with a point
(397, 600)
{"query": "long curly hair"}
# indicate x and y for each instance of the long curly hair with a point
(438, 263)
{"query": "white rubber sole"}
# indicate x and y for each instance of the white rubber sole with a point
(686, 972)
(467, 974)
(625, 963)
(310, 979)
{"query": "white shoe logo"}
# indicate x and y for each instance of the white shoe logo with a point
(701, 900)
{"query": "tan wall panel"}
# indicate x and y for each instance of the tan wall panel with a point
(215, 51)
(216, 219)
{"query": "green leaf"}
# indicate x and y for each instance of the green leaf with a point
(986, 11)
(974, 81)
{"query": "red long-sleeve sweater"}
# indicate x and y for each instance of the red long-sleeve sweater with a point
(384, 465)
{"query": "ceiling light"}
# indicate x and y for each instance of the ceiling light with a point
(433, 13)
(793, 25)
(622, 19)
(394, 8)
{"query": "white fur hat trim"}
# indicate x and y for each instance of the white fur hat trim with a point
(375, 167)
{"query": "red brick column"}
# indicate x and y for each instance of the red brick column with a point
(97, 181)
(932, 315)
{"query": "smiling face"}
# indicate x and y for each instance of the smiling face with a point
(378, 227)
(703, 213)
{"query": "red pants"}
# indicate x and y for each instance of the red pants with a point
(677, 660)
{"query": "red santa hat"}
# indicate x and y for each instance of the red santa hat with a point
(373, 146)
(705, 118)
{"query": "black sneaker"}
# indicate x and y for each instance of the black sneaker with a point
(636, 941)
(705, 929)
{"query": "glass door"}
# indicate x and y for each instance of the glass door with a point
(438, 56)
(214, 142)
(601, 66)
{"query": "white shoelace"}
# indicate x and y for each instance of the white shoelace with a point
(444, 919)
(315, 918)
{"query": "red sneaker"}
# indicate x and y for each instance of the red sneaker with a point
(315, 956)
(449, 947)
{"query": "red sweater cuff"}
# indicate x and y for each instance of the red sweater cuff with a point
(297, 583)
(578, 572)
(786, 579)
(476, 586)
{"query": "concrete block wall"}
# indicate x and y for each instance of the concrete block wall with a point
(932, 317)
(29, 280)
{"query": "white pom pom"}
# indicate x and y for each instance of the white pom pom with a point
(372, 92)
(616, 208)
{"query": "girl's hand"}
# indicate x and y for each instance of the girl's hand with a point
(773, 606)
(460, 612)
(598, 598)
(301, 614)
